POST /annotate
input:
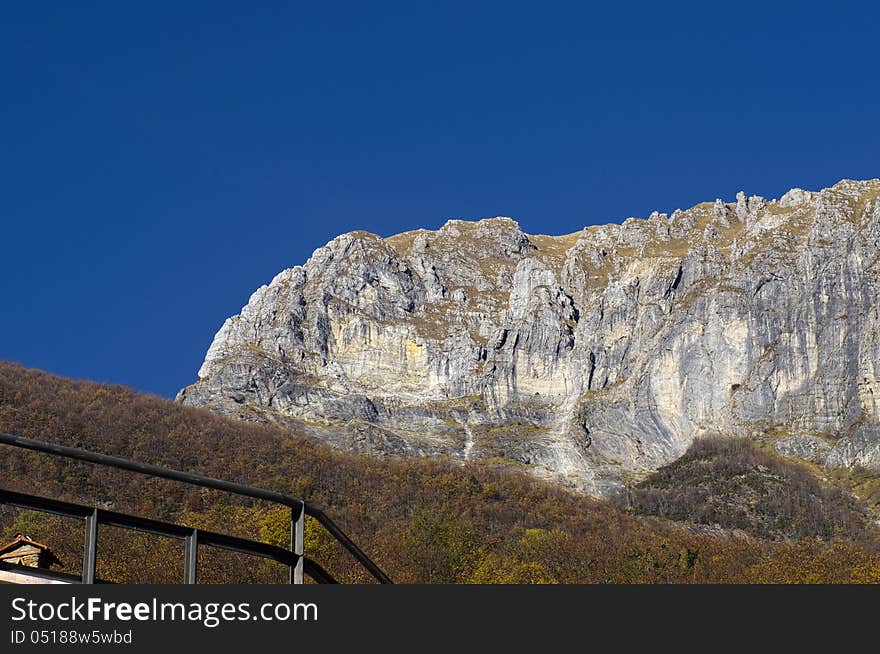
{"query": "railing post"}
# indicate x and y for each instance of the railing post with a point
(297, 541)
(191, 557)
(90, 548)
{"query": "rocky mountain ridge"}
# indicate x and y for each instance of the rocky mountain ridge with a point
(591, 358)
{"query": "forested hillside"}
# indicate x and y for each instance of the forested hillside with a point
(421, 520)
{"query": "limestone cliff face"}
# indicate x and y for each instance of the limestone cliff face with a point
(590, 358)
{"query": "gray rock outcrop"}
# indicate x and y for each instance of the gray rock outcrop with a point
(591, 358)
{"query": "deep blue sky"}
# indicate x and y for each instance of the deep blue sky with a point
(159, 163)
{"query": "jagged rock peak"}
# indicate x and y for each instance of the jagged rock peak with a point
(500, 222)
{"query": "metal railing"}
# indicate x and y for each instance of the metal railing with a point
(294, 558)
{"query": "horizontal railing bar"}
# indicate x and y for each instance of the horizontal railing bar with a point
(148, 469)
(244, 546)
(156, 527)
(203, 481)
(44, 504)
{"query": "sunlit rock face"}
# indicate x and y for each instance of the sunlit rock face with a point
(590, 358)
